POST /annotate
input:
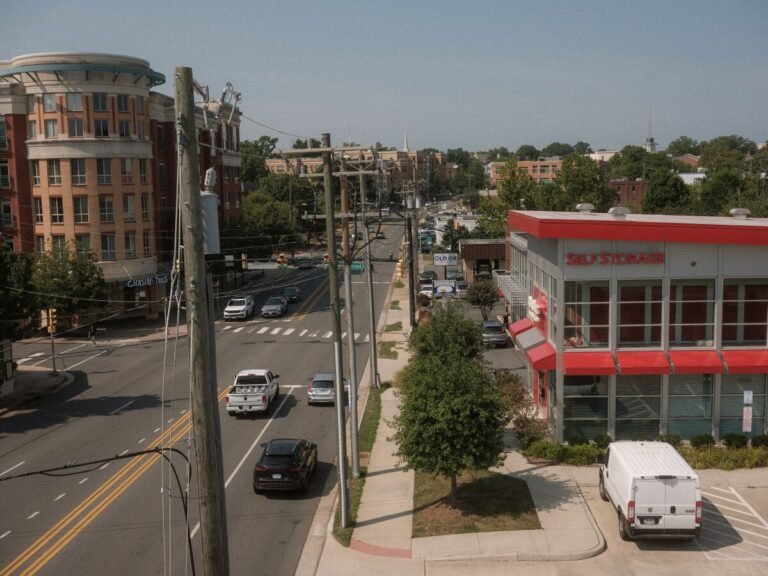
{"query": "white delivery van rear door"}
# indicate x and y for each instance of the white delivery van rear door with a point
(665, 504)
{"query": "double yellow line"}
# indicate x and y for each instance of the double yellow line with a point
(89, 509)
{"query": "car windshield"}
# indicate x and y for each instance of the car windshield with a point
(251, 379)
(279, 460)
(494, 329)
(322, 384)
(289, 291)
(274, 301)
(237, 302)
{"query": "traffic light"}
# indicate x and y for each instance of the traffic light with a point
(52, 320)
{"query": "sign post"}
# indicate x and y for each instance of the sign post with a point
(746, 422)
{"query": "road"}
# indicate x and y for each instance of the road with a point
(126, 516)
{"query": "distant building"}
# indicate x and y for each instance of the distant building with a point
(543, 170)
(630, 192)
(691, 178)
(688, 159)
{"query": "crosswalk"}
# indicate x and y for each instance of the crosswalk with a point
(281, 330)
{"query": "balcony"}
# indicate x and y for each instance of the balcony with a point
(512, 287)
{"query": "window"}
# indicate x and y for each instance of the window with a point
(586, 314)
(585, 406)
(3, 134)
(5, 175)
(31, 104)
(690, 404)
(145, 207)
(99, 102)
(106, 209)
(732, 402)
(639, 313)
(130, 244)
(49, 102)
(125, 128)
(104, 170)
(31, 130)
(691, 313)
(745, 312)
(140, 130)
(57, 210)
(638, 407)
(143, 170)
(139, 105)
(75, 127)
(38, 203)
(58, 244)
(126, 170)
(129, 208)
(101, 127)
(122, 102)
(74, 103)
(51, 128)
(40, 244)
(147, 247)
(34, 168)
(6, 213)
(160, 138)
(108, 247)
(162, 174)
(80, 205)
(77, 166)
(54, 172)
(83, 243)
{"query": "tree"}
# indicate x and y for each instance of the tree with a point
(492, 219)
(458, 156)
(253, 154)
(666, 193)
(557, 149)
(452, 235)
(582, 148)
(580, 180)
(269, 216)
(720, 189)
(634, 162)
(484, 294)
(17, 304)
(515, 188)
(527, 152)
(498, 154)
(452, 417)
(683, 145)
(726, 152)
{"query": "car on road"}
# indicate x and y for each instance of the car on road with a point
(494, 333)
(304, 265)
(322, 390)
(274, 307)
(291, 293)
(239, 307)
(285, 464)
(254, 390)
(381, 236)
(427, 276)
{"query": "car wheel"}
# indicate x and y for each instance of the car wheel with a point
(256, 488)
(304, 484)
(623, 528)
(601, 489)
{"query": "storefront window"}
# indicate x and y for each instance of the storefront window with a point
(586, 314)
(691, 313)
(690, 404)
(745, 313)
(585, 406)
(639, 313)
(732, 403)
(638, 407)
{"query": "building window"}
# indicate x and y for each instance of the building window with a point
(691, 312)
(77, 166)
(74, 103)
(108, 247)
(130, 244)
(58, 244)
(126, 170)
(106, 209)
(34, 167)
(638, 407)
(125, 128)
(83, 243)
(51, 128)
(139, 105)
(732, 403)
(162, 175)
(145, 207)
(586, 314)
(140, 130)
(100, 102)
(57, 210)
(160, 138)
(101, 127)
(690, 404)
(40, 244)
(129, 208)
(75, 128)
(80, 205)
(143, 170)
(3, 134)
(49, 102)
(38, 205)
(745, 312)
(122, 102)
(31, 130)
(6, 213)
(639, 313)
(31, 104)
(147, 247)
(104, 170)
(585, 406)
(54, 172)
(5, 175)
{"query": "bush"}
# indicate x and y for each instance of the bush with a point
(546, 449)
(577, 440)
(701, 441)
(582, 454)
(713, 457)
(674, 440)
(760, 441)
(732, 441)
(602, 440)
(528, 429)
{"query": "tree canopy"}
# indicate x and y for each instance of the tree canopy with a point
(527, 152)
(557, 149)
(683, 145)
(581, 180)
(68, 281)
(515, 188)
(483, 294)
(17, 304)
(253, 155)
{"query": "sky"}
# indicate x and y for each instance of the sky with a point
(471, 74)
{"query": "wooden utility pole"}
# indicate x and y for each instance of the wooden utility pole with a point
(371, 310)
(205, 422)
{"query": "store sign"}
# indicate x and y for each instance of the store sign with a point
(148, 281)
(447, 259)
(619, 258)
(746, 417)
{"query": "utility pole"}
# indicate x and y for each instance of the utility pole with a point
(371, 311)
(411, 259)
(333, 280)
(204, 403)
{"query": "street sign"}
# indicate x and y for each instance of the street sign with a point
(447, 259)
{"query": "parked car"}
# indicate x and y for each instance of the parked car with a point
(285, 464)
(239, 307)
(462, 289)
(427, 276)
(291, 293)
(380, 235)
(275, 306)
(322, 390)
(254, 390)
(426, 288)
(494, 333)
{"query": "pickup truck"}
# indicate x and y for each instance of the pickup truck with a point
(253, 391)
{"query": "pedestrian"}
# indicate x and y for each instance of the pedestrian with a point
(92, 334)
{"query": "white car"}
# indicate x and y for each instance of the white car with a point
(239, 307)
(253, 390)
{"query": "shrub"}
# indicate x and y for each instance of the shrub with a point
(701, 441)
(577, 440)
(528, 429)
(674, 440)
(582, 454)
(732, 441)
(720, 459)
(546, 449)
(602, 440)
(760, 441)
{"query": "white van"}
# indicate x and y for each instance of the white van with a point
(655, 492)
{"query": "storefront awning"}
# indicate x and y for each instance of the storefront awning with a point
(696, 362)
(645, 362)
(529, 339)
(746, 361)
(520, 326)
(542, 357)
(588, 363)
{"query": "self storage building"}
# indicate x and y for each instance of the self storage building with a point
(640, 325)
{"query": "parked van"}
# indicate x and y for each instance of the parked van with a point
(655, 492)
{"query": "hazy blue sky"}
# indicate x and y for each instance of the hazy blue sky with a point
(473, 74)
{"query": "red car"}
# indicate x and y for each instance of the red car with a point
(285, 464)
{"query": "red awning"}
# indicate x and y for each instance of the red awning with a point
(542, 357)
(588, 363)
(520, 326)
(746, 361)
(696, 362)
(643, 362)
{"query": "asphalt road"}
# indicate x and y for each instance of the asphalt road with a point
(126, 516)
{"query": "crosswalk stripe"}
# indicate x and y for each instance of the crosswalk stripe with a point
(314, 334)
(238, 329)
(289, 331)
(357, 335)
(303, 332)
(262, 330)
(275, 331)
(328, 334)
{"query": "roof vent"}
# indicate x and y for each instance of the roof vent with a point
(619, 211)
(585, 207)
(740, 213)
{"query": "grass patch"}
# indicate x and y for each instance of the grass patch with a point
(396, 327)
(395, 304)
(387, 350)
(399, 284)
(486, 502)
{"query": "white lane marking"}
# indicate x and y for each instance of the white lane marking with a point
(246, 455)
(236, 330)
(73, 348)
(60, 496)
(87, 359)
(156, 430)
(124, 452)
(142, 440)
(262, 329)
(226, 327)
(5, 534)
(22, 360)
(36, 354)
(712, 519)
(289, 331)
(357, 335)
(343, 335)
(83, 481)
(116, 410)
(171, 420)
(275, 331)
(328, 334)
(103, 465)
(12, 468)
(314, 334)
(252, 330)
(33, 515)
(303, 332)
(367, 338)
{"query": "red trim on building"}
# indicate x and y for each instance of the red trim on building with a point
(696, 362)
(588, 363)
(520, 326)
(746, 361)
(542, 357)
(647, 362)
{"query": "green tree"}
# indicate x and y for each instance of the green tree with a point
(452, 235)
(458, 156)
(484, 294)
(726, 152)
(515, 188)
(557, 149)
(264, 213)
(498, 154)
(580, 180)
(17, 304)
(528, 152)
(666, 193)
(452, 417)
(253, 155)
(491, 220)
(582, 148)
(719, 190)
(634, 162)
(683, 145)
